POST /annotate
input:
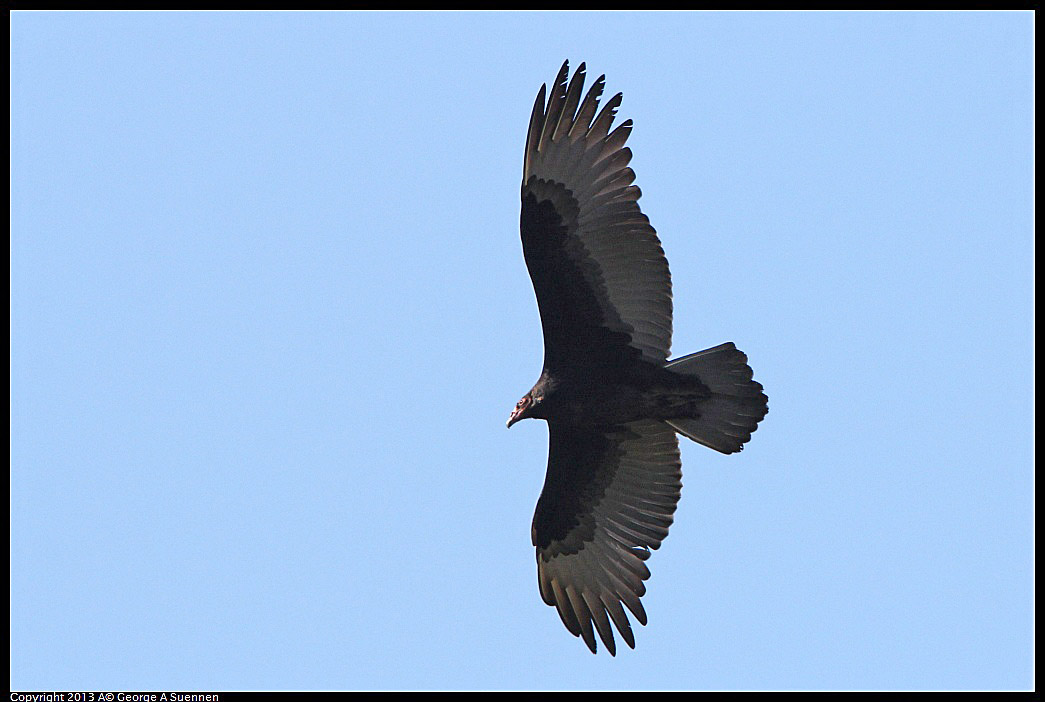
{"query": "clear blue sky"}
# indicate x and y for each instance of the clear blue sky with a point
(270, 314)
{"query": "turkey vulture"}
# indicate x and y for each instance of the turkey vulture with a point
(612, 400)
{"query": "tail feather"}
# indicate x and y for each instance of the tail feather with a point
(737, 403)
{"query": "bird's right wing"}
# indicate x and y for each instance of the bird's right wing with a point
(609, 497)
(598, 269)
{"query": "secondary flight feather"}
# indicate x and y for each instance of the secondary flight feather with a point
(612, 400)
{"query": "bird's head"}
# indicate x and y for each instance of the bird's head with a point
(523, 409)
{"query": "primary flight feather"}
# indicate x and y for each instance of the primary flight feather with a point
(612, 400)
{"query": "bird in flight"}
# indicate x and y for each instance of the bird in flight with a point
(612, 399)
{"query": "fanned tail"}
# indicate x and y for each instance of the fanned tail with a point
(737, 403)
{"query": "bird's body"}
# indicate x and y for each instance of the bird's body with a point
(617, 395)
(612, 400)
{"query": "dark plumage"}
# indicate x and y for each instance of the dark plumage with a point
(612, 400)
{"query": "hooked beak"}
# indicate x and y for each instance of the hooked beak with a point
(517, 414)
(521, 411)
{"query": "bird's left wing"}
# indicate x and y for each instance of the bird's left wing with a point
(609, 496)
(598, 269)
